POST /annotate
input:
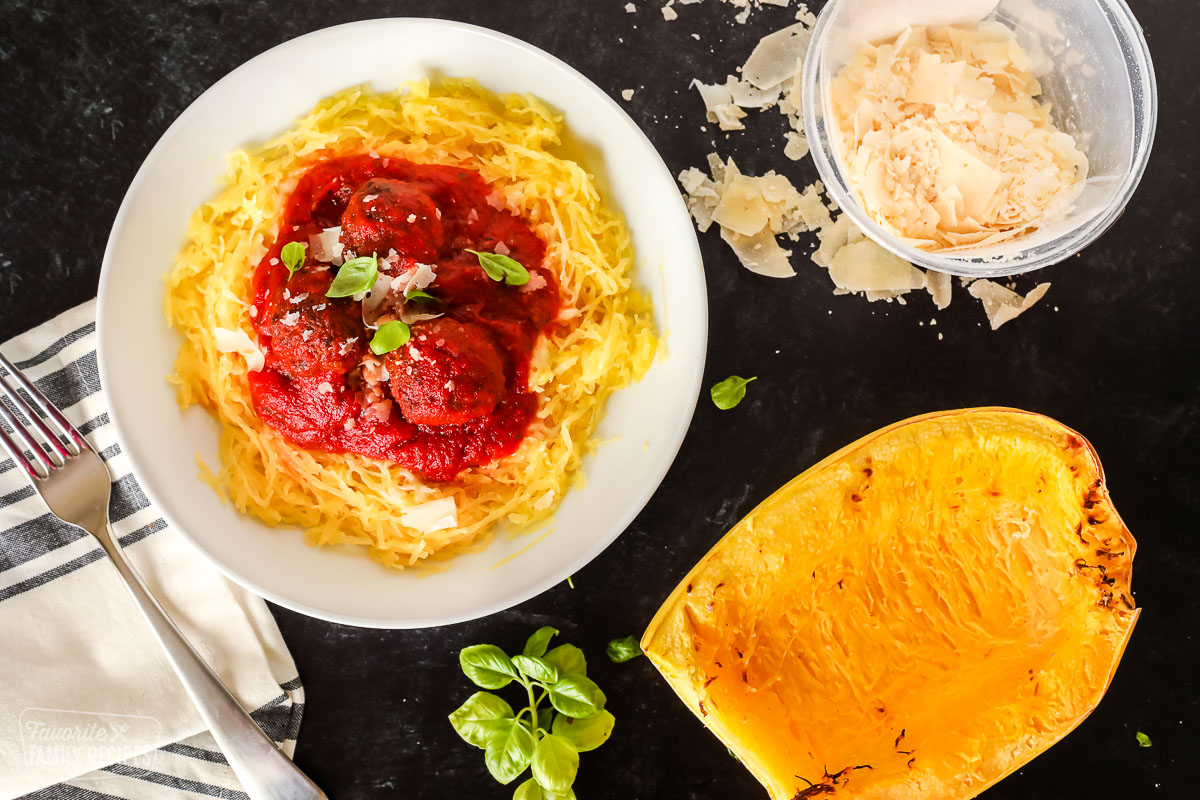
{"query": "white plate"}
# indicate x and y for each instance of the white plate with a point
(259, 100)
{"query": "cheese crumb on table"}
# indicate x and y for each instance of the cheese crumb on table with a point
(945, 142)
(627, 94)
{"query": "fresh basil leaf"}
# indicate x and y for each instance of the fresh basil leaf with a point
(729, 392)
(622, 650)
(555, 763)
(487, 666)
(536, 668)
(531, 790)
(471, 718)
(568, 658)
(577, 696)
(390, 335)
(537, 643)
(419, 294)
(292, 255)
(545, 718)
(509, 752)
(355, 276)
(502, 268)
(585, 734)
(1143, 740)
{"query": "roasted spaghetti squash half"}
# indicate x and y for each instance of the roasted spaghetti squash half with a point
(916, 616)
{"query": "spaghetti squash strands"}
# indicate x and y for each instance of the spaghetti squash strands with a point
(605, 342)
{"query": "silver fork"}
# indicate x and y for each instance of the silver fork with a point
(75, 484)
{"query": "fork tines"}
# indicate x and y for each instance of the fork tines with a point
(40, 440)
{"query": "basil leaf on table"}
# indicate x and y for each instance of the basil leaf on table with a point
(729, 392)
(390, 335)
(577, 696)
(487, 666)
(536, 668)
(621, 650)
(585, 734)
(568, 658)
(354, 277)
(292, 256)
(509, 752)
(502, 268)
(555, 763)
(470, 720)
(538, 642)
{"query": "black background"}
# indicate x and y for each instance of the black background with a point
(87, 88)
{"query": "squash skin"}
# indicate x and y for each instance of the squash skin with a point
(852, 637)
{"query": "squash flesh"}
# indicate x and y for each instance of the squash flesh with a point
(916, 616)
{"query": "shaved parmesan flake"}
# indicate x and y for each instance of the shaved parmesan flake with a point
(668, 12)
(760, 253)
(774, 59)
(864, 266)
(326, 247)
(418, 278)
(436, 515)
(627, 94)
(939, 286)
(239, 342)
(1003, 305)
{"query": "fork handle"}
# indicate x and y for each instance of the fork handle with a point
(263, 769)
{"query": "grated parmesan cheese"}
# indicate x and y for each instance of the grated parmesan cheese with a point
(945, 141)
(752, 212)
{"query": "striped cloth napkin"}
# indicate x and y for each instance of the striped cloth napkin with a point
(90, 709)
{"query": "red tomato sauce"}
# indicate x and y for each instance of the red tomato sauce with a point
(457, 394)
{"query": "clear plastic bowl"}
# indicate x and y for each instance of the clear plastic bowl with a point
(1097, 75)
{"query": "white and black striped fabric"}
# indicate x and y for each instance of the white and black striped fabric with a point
(73, 646)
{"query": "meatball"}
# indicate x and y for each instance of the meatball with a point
(386, 214)
(449, 373)
(311, 335)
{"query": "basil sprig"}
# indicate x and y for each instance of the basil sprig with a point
(355, 276)
(621, 650)
(546, 741)
(292, 255)
(729, 392)
(502, 268)
(390, 336)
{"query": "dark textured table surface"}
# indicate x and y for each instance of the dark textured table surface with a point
(87, 88)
